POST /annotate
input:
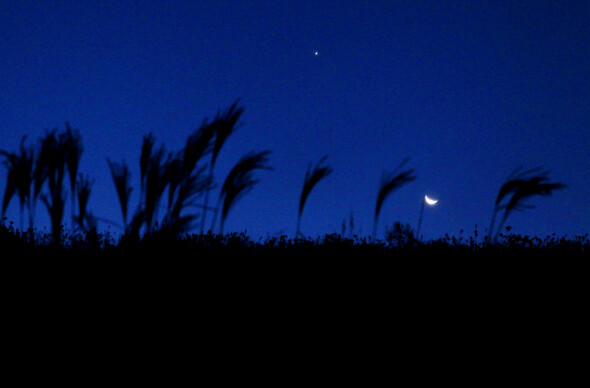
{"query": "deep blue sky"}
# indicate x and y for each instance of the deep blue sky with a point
(469, 90)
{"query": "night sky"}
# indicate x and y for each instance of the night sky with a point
(469, 90)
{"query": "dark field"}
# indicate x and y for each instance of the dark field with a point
(342, 298)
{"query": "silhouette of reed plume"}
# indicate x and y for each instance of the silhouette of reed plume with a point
(518, 187)
(144, 160)
(58, 154)
(72, 145)
(178, 173)
(389, 183)
(183, 193)
(19, 166)
(187, 180)
(239, 182)
(85, 219)
(121, 177)
(223, 126)
(312, 177)
(57, 150)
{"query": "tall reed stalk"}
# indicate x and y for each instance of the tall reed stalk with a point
(177, 173)
(19, 179)
(224, 125)
(121, 177)
(72, 145)
(53, 157)
(239, 182)
(389, 183)
(312, 177)
(85, 219)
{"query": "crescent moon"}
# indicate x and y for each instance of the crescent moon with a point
(430, 201)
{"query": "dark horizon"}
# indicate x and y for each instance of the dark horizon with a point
(468, 92)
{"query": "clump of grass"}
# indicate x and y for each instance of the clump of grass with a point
(401, 236)
(179, 173)
(59, 155)
(19, 180)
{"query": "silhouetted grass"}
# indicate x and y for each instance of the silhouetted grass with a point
(522, 185)
(388, 184)
(19, 179)
(312, 177)
(183, 177)
(240, 181)
(121, 177)
(163, 245)
(223, 126)
(85, 219)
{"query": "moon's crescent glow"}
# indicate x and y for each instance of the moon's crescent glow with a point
(430, 201)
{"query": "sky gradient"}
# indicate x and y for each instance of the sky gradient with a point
(469, 90)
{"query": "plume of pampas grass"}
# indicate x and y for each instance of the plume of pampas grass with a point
(72, 144)
(521, 185)
(59, 154)
(85, 219)
(240, 181)
(179, 173)
(197, 145)
(312, 177)
(144, 159)
(19, 166)
(224, 125)
(52, 165)
(389, 183)
(121, 177)
(184, 195)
